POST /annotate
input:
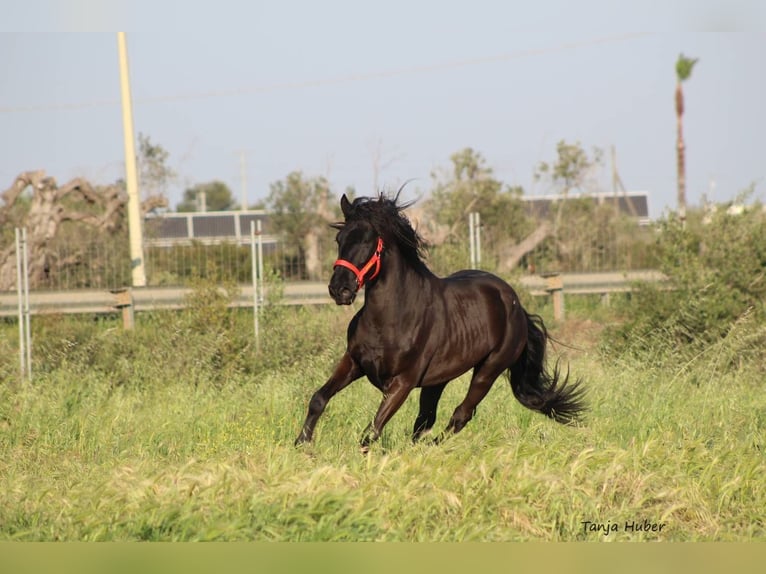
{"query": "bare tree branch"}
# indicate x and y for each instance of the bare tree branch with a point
(515, 253)
(101, 208)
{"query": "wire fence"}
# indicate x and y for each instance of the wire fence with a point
(95, 262)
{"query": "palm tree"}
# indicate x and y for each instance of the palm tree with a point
(684, 67)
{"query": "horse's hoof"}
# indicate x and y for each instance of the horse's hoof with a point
(437, 440)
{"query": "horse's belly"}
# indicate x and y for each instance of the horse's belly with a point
(451, 362)
(466, 342)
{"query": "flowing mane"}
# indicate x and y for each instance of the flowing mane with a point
(387, 218)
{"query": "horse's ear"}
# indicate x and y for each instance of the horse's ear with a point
(345, 205)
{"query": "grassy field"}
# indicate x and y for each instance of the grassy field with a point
(179, 431)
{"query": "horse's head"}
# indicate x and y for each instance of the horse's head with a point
(359, 250)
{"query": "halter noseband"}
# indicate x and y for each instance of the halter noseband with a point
(374, 261)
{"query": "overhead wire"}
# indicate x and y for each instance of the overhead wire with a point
(321, 82)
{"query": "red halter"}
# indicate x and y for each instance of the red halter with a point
(360, 273)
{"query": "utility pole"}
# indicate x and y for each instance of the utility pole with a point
(131, 172)
(617, 185)
(202, 201)
(243, 177)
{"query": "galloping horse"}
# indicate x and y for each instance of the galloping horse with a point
(418, 330)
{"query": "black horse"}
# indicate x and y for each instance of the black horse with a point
(418, 330)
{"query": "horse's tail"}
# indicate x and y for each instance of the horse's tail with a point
(538, 389)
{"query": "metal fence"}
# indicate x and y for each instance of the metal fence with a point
(180, 248)
(106, 264)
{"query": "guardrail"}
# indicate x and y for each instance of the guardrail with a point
(93, 301)
(558, 284)
(591, 283)
(145, 299)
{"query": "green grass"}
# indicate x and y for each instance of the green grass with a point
(139, 436)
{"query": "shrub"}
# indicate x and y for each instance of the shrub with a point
(716, 269)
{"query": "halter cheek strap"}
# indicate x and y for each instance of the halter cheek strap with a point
(374, 261)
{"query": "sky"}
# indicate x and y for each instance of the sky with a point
(375, 94)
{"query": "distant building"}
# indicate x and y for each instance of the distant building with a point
(210, 228)
(214, 227)
(631, 203)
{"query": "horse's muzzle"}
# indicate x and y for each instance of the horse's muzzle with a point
(342, 295)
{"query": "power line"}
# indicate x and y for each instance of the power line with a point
(321, 82)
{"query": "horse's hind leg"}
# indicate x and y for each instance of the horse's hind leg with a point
(429, 401)
(483, 378)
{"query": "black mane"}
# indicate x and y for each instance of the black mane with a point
(387, 218)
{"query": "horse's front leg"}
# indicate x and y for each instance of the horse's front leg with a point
(346, 372)
(394, 395)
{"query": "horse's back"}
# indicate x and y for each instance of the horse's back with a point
(492, 298)
(484, 295)
(478, 281)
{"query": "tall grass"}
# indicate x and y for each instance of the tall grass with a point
(180, 430)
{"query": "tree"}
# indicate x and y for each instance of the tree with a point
(584, 231)
(684, 68)
(470, 186)
(217, 197)
(572, 170)
(573, 167)
(37, 202)
(153, 171)
(300, 211)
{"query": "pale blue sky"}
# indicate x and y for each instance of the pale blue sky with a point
(325, 87)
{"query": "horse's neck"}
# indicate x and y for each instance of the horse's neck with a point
(399, 281)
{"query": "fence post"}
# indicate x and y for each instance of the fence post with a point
(259, 232)
(124, 301)
(19, 291)
(477, 241)
(471, 240)
(27, 313)
(555, 286)
(474, 238)
(254, 265)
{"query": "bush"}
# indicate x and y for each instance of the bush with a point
(716, 269)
